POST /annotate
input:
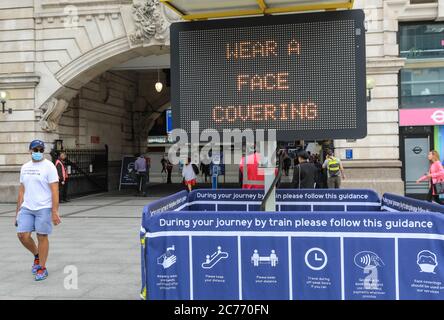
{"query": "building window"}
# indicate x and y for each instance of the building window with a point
(422, 88)
(420, 41)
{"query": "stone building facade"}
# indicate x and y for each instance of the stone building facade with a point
(57, 59)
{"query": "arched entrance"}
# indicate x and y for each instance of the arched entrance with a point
(88, 103)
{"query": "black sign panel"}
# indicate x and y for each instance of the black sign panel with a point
(127, 172)
(301, 74)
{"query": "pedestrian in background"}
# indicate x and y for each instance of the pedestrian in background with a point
(435, 175)
(205, 169)
(189, 175)
(148, 166)
(254, 178)
(63, 177)
(163, 162)
(286, 163)
(304, 174)
(320, 177)
(335, 171)
(169, 167)
(140, 168)
(37, 206)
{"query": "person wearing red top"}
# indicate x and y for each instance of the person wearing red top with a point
(255, 178)
(255, 175)
(435, 175)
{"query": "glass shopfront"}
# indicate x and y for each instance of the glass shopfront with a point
(421, 100)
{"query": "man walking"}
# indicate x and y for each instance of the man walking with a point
(63, 177)
(305, 173)
(334, 171)
(37, 206)
(140, 167)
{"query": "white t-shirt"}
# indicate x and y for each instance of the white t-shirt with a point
(36, 177)
(188, 172)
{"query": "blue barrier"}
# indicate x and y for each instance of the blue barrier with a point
(286, 200)
(395, 203)
(177, 201)
(249, 255)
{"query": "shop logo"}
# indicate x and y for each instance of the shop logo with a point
(417, 150)
(438, 116)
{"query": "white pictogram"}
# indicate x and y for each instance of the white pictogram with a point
(427, 261)
(368, 260)
(438, 116)
(271, 259)
(167, 259)
(316, 259)
(211, 261)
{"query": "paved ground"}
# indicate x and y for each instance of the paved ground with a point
(99, 235)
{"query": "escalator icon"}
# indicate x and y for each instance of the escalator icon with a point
(212, 260)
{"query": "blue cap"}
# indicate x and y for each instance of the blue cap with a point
(36, 144)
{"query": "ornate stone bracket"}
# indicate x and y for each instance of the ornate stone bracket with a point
(52, 111)
(152, 21)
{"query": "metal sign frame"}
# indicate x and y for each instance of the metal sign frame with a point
(261, 9)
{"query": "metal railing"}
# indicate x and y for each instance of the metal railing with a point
(87, 169)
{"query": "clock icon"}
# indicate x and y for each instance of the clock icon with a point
(316, 259)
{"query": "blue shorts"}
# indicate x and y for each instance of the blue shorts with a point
(34, 220)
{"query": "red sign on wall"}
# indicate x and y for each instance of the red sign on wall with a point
(95, 139)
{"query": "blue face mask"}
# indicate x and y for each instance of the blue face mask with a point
(37, 156)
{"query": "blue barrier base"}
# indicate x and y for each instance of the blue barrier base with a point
(195, 250)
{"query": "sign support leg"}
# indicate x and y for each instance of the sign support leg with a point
(269, 167)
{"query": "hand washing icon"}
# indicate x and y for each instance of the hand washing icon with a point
(427, 261)
(167, 259)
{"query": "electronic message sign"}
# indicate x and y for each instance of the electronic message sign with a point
(301, 74)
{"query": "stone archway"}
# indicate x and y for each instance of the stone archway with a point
(137, 28)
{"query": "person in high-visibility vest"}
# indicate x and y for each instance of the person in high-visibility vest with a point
(255, 175)
(63, 177)
(334, 171)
